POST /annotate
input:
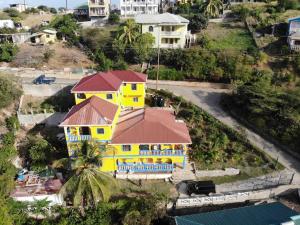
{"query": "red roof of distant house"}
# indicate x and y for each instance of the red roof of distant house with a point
(108, 81)
(92, 111)
(150, 126)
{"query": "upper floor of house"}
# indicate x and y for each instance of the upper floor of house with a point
(122, 87)
(98, 8)
(135, 7)
(169, 30)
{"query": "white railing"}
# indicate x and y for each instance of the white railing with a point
(295, 47)
(170, 46)
(170, 33)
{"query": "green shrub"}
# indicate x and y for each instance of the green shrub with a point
(8, 138)
(9, 92)
(8, 51)
(120, 65)
(12, 123)
(113, 18)
(166, 74)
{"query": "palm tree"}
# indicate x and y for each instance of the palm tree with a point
(213, 8)
(87, 185)
(128, 32)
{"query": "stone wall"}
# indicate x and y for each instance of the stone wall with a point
(217, 173)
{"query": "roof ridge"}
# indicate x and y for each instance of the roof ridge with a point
(87, 78)
(107, 80)
(96, 109)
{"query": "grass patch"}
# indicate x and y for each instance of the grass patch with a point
(228, 36)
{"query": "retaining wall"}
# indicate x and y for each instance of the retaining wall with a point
(221, 199)
(49, 119)
(143, 176)
(217, 173)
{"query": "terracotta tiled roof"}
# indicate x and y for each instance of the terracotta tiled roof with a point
(108, 81)
(92, 111)
(150, 125)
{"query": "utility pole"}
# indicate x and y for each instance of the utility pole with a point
(66, 5)
(158, 55)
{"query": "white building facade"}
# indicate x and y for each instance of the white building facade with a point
(135, 7)
(169, 30)
(98, 8)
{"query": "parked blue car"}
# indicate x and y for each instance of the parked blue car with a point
(42, 79)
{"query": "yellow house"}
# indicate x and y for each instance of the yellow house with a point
(44, 37)
(131, 138)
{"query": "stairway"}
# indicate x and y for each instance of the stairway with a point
(180, 174)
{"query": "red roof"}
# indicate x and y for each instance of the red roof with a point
(92, 111)
(150, 126)
(108, 81)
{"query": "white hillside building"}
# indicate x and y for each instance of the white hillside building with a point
(135, 7)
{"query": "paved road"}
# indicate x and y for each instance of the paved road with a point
(209, 99)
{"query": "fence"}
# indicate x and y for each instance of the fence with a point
(284, 177)
(221, 199)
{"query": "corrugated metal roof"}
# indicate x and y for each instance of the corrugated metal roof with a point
(150, 126)
(166, 18)
(108, 81)
(92, 111)
(265, 214)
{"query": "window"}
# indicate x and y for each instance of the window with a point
(150, 29)
(81, 96)
(124, 84)
(100, 130)
(47, 35)
(135, 99)
(133, 87)
(126, 148)
(109, 96)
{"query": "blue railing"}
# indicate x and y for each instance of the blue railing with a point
(73, 138)
(162, 152)
(140, 168)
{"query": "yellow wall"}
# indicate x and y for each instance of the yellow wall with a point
(125, 96)
(116, 97)
(129, 95)
(115, 152)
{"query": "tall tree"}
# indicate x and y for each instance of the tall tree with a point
(87, 185)
(213, 8)
(128, 32)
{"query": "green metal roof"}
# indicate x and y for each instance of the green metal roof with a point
(265, 214)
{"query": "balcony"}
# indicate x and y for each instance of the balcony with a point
(142, 168)
(170, 46)
(73, 138)
(162, 152)
(170, 33)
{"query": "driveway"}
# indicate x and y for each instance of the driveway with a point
(209, 100)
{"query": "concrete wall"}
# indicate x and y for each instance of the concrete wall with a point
(43, 90)
(231, 197)
(50, 119)
(191, 84)
(217, 173)
(275, 179)
(55, 199)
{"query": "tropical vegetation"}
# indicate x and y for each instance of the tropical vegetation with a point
(87, 185)
(216, 146)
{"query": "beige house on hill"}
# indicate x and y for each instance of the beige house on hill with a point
(169, 30)
(44, 37)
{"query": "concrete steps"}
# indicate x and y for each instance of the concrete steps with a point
(180, 174)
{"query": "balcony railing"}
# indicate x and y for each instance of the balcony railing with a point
(170, 33)
(295, 47)
(75, 138)
(170, 46)
(141, 168)
(162, 152)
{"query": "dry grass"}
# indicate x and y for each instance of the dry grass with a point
(63, 57)
(33, 20)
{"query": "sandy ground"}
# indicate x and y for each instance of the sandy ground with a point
(33, 20)
(63, 57)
